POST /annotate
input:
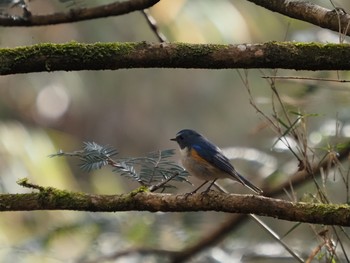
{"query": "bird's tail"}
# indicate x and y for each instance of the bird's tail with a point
(247, 183)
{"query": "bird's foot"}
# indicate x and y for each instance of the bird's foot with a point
(190, 193)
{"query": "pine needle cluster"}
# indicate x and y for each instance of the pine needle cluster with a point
(156, 168)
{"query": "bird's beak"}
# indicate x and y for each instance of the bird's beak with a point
(173, 139)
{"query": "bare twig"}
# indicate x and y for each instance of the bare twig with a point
(309, 12)
(75, 15)
(155, 187)
(305, 78)
(153, 25)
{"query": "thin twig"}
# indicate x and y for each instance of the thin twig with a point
(153, 188)
(309, 12)
(24, 182)
(75, 15)
(153, 25)
(304, 78)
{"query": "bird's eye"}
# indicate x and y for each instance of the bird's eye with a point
(180, 137)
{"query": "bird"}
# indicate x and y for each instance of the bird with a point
(204, 160)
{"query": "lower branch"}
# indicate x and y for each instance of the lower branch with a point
(141, 200)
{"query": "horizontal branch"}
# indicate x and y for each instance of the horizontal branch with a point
(75, 15)
(112, 56)
(53, 199)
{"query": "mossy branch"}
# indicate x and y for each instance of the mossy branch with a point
(50, 198)
(113, 56)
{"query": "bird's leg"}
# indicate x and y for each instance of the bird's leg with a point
(193, 192)
(207, 190)
(199, 187)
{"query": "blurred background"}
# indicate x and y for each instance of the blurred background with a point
(139, 110)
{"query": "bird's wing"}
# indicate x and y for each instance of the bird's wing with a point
(214, 156)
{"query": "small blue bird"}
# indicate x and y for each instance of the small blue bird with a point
(204, 160)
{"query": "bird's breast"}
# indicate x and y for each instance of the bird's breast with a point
(198, 166)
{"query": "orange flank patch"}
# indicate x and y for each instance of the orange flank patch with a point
(197, 157)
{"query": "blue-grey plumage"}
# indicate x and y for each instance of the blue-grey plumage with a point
(204, 160)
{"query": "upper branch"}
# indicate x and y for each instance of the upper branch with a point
(75, 15)
(336, 20)
(112, 56)
(53, 199)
